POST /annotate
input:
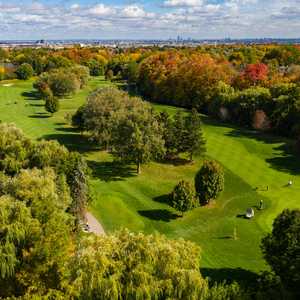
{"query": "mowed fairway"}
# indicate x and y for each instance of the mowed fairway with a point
(122, 199)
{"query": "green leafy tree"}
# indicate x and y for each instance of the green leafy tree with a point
(139, 267)
(183, 197)
(61, 82)
(281, 248)
(81, 73)
(194, 141)
(137, 138)
(102, 113)
(78, 119)
(52, 104)
(35, 232)
(209, 181)
(168, 133)
(24, 71)
(96, 68)
(16, 225)
(15, 149)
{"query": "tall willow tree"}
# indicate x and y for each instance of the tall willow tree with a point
(137, 266)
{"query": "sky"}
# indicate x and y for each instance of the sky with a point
(145, 19)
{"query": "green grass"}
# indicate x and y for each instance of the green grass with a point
(122, 199)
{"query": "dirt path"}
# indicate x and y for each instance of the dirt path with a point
(94, 225)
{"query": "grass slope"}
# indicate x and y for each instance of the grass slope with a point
(122, 199)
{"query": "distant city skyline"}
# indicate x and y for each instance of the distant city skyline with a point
(156, 19)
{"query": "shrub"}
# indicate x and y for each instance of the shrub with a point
(209, 181)
(52, 104)
(78, 118)
(24, 71)
(183, 197)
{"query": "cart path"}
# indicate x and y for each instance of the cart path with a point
(94, 224)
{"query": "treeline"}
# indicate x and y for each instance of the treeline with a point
(253, 86)
(255, 95)
(45, 60)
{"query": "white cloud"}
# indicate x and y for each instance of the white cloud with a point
(75, 6)
(133, 11)
(195, 18)
(101, 10)
(182, 3)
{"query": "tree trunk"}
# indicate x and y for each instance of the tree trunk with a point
(191, 156)
(138, 167)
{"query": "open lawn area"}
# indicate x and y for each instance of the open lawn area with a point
(253, 162)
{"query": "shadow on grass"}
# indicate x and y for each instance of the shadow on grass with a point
(73, 141)
(241, 216)
(159, 215)
(163, 199)
(37, 105)
(111, 171)
(226, 237)
(287, 161)
(176, 161)
(32, 95)
(239, 275)
(40, 116)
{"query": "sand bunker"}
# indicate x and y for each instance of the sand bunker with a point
(7, 84)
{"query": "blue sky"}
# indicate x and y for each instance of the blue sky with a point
(57, 19)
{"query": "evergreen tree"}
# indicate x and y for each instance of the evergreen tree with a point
(52, 105)
(194, 141)
(183, 197)
(209, 181)
(179, 132)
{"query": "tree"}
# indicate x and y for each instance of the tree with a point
(24, 71)
(138, 138)
(194, 141)
(52, 104)
(15, 149)
(281, 248)
(209, 181)
(2, 73)
(35, 231)
(61, 82)
(15, 225)
(82, 74)
(179, 132)
(168, 133)
(78, 118)
(109, 75)
(136, 266)
(102, 113)
(253, 74)
(95, 67)
(183, 197)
